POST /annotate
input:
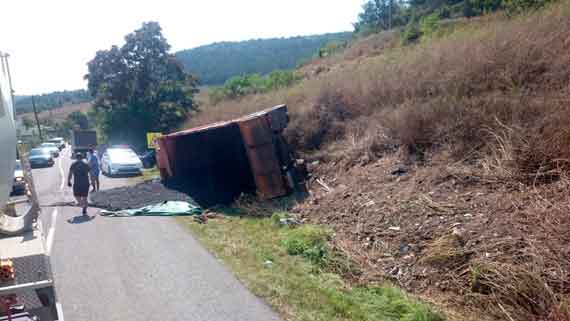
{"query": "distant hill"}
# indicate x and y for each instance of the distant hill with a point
(217, 62)
(45, 102)
(59, 114)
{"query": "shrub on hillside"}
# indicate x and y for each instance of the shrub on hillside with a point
(240, 86)
(429, 25)
(412, 31)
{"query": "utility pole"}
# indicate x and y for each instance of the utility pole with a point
(37, 120)
(390, 14)
(6, 56)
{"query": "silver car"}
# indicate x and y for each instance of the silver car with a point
(118, 161)
(58, 141)
(52, 148)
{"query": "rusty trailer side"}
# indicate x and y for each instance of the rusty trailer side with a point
(262, 154)
(217, 162)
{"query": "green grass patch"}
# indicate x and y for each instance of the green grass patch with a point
(298, 282)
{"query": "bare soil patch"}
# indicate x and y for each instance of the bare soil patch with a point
(498, 248)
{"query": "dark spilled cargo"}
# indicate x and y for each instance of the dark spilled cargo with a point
(216, 163)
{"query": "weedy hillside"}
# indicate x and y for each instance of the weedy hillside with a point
(447, 160)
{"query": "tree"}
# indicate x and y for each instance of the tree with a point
(27, 122)
(411, 33)
(379, 15)
(139, 87)
(78, 118)
(468, 9)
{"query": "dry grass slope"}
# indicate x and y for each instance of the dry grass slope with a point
(60, 114)
(479, 120)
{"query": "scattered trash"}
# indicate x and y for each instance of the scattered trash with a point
(289, 221)
(405, 248)
(268, 264)
(324, 185)
(399, 171)
(166, 208)
(394, 228)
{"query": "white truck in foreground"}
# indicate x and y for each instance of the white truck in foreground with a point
(27, 290)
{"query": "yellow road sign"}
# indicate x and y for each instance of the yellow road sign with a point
(151, 140)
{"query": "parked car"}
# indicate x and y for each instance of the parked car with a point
(19, 185)
(117, 161)
(52, 148)
(148, 159)
(58, 141)
(40, 157)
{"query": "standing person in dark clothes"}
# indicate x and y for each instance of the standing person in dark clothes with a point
(79, 171)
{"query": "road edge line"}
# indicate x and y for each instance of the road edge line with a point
(51, 232)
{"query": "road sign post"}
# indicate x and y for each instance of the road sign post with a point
(152, 140)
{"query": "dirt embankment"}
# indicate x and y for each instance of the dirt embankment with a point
(462, 240)
(447, 162)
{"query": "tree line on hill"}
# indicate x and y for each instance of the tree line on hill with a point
(378, 15)
(23, 104)
(214, 64)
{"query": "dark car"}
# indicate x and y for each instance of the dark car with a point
(148, 159)
(40, 157)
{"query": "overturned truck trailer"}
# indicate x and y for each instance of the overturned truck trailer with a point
(217, 162)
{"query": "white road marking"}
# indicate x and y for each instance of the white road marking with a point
(62, 174)
(51, 231)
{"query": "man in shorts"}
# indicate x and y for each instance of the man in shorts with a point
(79, 171)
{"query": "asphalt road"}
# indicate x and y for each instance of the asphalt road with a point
(140, 268)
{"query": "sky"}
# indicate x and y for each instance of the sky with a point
(51, 41)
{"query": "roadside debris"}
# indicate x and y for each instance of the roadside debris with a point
(289, 221)
(206, 216)
(137, 196)
(166, 208)
(399, 171)
(324, 185)
(268, 264)
(439, 232)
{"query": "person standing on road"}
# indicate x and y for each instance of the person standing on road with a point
(79, 171)
(94, 172)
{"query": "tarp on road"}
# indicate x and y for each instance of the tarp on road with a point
(166, 208)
